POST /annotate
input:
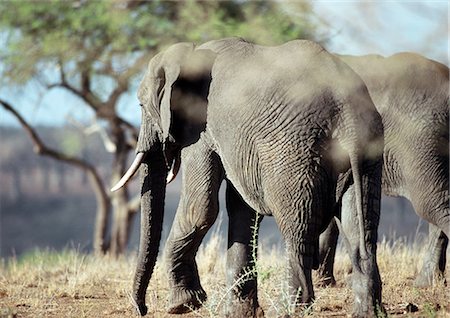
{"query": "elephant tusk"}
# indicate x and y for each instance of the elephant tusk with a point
(174, 170)
(130, 172)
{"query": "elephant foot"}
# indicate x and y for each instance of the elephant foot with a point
(244, 309)
(183, 300)
(368, 307)
(423, 281)
(369, 311)
(429, 275)
(367, 293)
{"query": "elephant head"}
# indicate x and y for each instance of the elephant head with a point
(173, 97)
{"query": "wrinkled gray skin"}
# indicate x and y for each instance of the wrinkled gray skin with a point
(412, 95)
(285, 138)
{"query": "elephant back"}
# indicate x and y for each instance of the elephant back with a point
(404, 82)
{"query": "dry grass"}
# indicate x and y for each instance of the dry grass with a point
(71, 284)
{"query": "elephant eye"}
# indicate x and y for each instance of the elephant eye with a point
(142, 105)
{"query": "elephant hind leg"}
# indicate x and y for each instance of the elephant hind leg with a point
(327, 251)
(300, 250)
(300, 231)
(301, 211)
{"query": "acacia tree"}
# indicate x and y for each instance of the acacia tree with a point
(95, 49)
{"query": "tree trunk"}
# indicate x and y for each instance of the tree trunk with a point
(16, 184)
(121, 220)
(119, 234)
(102, 215)
(60, 178)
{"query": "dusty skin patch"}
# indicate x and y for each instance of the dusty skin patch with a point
(71, 284)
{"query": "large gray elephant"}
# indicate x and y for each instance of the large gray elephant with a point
(286, 127)
(411, 93)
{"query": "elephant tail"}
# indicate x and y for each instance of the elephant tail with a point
(356, 164)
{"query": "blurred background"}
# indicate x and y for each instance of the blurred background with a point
(69, 113)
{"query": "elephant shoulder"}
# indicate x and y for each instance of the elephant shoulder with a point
(302, 46)
(223, 45)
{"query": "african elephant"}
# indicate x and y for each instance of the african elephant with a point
(283, 135)
(411, 93)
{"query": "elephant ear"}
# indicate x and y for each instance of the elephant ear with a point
(172, 61)
(178, 62)
(171, 74)
(150, 88)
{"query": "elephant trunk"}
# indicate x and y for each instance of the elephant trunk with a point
(153, 181)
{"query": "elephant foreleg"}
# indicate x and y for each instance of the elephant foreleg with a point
(196, 213)
(428, 186)
(435, 258)
(241, 257)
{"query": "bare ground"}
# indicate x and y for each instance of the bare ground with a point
(72, 284)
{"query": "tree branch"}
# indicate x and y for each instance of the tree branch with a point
(84, 92)
(41, 149)
(89, 98)
(103, 200)
(33, 135)
(124, 78)
(62, 74)
(139, 64)
(114, 117)
(121, 88)
(85, 82)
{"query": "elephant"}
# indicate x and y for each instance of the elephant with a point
(411, 94)
(287, 127)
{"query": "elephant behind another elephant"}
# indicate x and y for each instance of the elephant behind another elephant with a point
(411, 94)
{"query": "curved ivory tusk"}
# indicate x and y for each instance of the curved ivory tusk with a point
(130, 172)
(174, 170)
